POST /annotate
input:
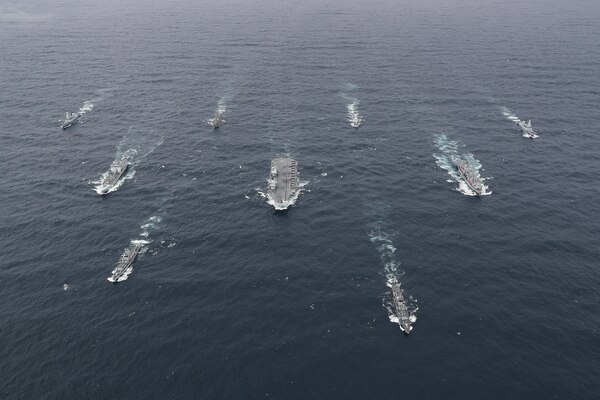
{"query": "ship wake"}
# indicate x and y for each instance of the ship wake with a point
(446, 158)
(353, 114)
(354, 117)
(88, 105)
(155, 221)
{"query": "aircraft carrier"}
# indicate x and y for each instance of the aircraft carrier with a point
(283, 183)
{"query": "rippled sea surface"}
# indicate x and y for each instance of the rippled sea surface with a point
(232, 300)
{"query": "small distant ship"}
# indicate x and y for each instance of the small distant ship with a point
(217, 120)
(471, 179)
(400, 309)
(527, 129)
(355, 121)
(113, 176)
(70, 119)
(283, 183)
(124, 265)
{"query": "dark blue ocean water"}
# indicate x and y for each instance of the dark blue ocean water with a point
(232, 300)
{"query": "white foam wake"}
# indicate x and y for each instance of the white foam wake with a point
(123, 276)
(87, 106)
(222, 106)
(285, 205)
(155, 221)
(446, 159)
(354, 116)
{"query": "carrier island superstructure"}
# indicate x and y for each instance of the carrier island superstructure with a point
(283, 183)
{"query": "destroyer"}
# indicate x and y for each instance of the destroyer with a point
(126, 260)
(217, 120)
(113, 176)
(283, 183)
(70, 119)
(471, 179)
(527, 129)
(400, 309)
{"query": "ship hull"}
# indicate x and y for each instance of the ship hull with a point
(114, 278)
(528, 132)
(107, 187)
(67, 124)
(468, 181)
(401, 310)
(283, 183)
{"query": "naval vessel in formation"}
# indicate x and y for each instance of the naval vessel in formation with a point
(70, 119)
(527, 129)
(217, 120)
(400, 309)
(355, 121)
(283, 183)
(472, 180)
(124, 266)
(113, 175)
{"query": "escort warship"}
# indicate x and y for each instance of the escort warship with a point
(400, 309)
(469, 177)
(113, 176)
(70, 119)
(527, 129)
(124, 265)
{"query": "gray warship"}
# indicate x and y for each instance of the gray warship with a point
(400, 309)
(217, 120)
(124, 265)
(112, 176)
(469, 176)
(355, 121)
(527, 129)
(283, 183)
(70, 119)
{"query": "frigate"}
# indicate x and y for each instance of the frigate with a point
(113, 175)
(527, 129)
(217, 120)
(70, 119)
(400, 309)
(124, 265)
(472, 180)
(283, 183)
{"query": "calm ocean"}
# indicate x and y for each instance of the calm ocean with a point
(232, 300)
